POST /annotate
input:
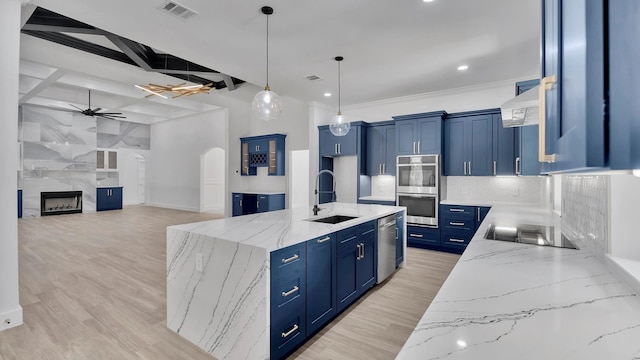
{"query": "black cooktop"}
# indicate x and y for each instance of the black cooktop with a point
(530, 234)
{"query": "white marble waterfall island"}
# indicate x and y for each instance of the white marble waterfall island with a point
(224, 308)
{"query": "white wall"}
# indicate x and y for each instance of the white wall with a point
(624, 201)
(174, 171)
(299, 178)
(10, 309)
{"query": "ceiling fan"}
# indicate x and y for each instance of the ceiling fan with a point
(96, 112)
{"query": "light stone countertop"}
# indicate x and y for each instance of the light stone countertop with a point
(515, 301)
(278, 229)
(378, 198)
(259, 192)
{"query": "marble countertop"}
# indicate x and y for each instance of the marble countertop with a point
(259, 192)
(278, 229)
(515, 301)
(378, 198)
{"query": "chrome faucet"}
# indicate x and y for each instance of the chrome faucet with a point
(333, 198)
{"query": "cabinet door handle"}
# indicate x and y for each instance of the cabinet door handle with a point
(416, 235)
(362, 248)
(290, 259)
(287, 293)
(478, 212)
(418, 147)
(494, 167)
(456, 240)
(335, 148)
(240, 203)
(518, 165)
(358, 258)
(320, 241)
(379, 169)
(293, 329)
(546, 83)
(258, 204)
(465, 167)
(469, 167)
(339, 148)
(456, 223)
(414, 147)
(456, 210)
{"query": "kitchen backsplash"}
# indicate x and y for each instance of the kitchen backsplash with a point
(383, 186)
(585, 211)
(533, 190)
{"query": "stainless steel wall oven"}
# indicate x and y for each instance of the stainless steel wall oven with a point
(418, 188)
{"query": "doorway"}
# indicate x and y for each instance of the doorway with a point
(133, 176)
(212, 181)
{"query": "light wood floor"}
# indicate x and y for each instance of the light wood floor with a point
(93, 286)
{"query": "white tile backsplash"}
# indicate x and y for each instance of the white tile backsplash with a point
(383, 186)
(491, 189)
(585, 211)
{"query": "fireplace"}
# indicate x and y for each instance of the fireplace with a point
(60, 202)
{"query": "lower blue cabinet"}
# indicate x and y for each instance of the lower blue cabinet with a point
(420, 236)
(400, 230)
(245, 203)
(321, 282)
(109, 198)
(356, 262)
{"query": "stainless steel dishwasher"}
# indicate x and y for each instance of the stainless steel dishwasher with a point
(386, 247)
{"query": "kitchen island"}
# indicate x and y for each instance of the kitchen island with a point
(218, 273)
(508, 300)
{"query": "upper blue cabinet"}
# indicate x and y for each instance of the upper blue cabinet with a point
(381, 148)
(419, 133)
(590, 85)
(526, 140)
(332, 146)
(262, 151)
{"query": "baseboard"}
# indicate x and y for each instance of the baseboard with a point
(219, 209)
(174, 206)
(129, 203)
(630, 279)
(11, 319)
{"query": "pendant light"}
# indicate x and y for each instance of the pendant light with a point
(339, 126)
(267, 104)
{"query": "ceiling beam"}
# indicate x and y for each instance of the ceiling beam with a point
(140, 54)
(67, 29)
(50, 80)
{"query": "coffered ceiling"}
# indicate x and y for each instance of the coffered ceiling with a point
(391, 49)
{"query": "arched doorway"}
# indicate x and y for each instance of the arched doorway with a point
(133, 178)
(212, 181)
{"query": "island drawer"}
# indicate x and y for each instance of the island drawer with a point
(287, 288)
(347, 237)
(287, 332)
(289, 258)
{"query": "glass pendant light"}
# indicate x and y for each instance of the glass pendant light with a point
(267, 104)
(339, 126)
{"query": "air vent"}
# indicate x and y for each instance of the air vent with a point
(314, 78)
(178, 10)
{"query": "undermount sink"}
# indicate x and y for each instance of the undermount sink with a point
(530, 234)
(334, 219)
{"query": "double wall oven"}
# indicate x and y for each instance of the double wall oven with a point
(418, 188)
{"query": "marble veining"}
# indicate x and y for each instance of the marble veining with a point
(516, 301)
(224, 309)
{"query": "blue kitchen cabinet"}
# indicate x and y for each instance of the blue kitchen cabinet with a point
(590, 110)
(419, 133)
(246, 203)
(504, 157)
(423, 237)
(19, 204)
(262, 151)
(109, 198)
(355, 262)
(400, 231)
(288, 299)
(526, 140)
(457, 224)
(381, 149)
(469, 143)
(236, 204)
(481, 213)
(321, 282)
(332, 146)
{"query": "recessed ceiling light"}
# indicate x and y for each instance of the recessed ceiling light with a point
(327, 94)
(427, 0)
(463, 67)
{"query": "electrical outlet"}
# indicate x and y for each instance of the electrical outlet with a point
(199, 265)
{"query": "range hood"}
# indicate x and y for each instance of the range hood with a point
(522, 110)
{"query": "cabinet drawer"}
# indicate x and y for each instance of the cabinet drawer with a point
(447, 211)
(347, 237)
(456, 239)
(287, 290)
(290, 258)
(367, 228)
(286, 334)
(417, 235)
(457, 223)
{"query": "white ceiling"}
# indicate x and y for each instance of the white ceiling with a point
(391, 49)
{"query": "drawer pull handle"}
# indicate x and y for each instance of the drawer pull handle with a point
(456, 240)
(456, 210)
(293, 329)
(416, 235)
(320, 241)
(294, 257)
(295, 288)
(456, 223)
